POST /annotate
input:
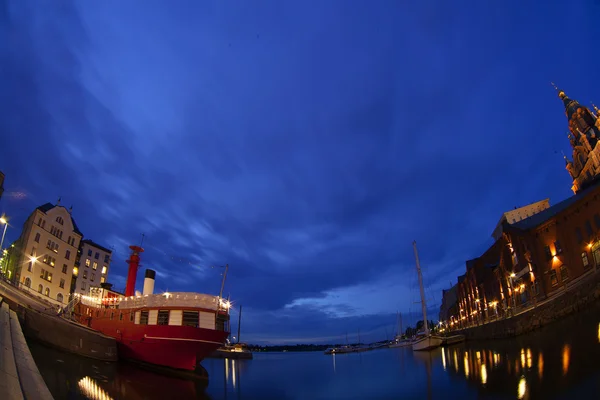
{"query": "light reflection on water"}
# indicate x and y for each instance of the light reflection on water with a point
(557, 362)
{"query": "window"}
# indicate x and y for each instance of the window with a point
(579, 235)
(69, 240)
(584, 259)
(144, 318)
(43, 225)
(564, 273)
(112, 314)
(60, 220)
(46, 275)
(39, 222)
(548, 252)
(49, 260)
(95, 266)
(82, 285)
(92, 278)
(163, 317)
(29, 266)
(104, 269)
(89, 252)
(37, 237)
(28, 282)
(102, 279)
(64, 269)
(553, 278)
(59, 297)
(106, 258)
(47, 292)
(75, 271)
(120, 316)
(596, 255)
(515, 259)
(588, 228)
(84, 274)
(62, 284)
(131, 316)
(190, 318)
(87, 262)
(557, 247)
(97, 255)
(40, 288)
(68, 254)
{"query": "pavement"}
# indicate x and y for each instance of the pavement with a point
(20, 378)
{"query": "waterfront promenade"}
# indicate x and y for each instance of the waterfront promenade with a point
(573, 297)
(19, 375)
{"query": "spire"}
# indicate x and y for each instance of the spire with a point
(58, 202)
(561, 93)
(597, 111)
(565, 157)
(71, 210)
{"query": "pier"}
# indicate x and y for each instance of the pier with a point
(19, 375)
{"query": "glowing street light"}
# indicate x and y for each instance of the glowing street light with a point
(4, 221)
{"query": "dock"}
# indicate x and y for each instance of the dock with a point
(20, 378)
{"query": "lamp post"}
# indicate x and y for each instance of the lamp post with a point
(512, 288)
(4, 221)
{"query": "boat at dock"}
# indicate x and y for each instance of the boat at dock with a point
(172, 330)
(424, 340)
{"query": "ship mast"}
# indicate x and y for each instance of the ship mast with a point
(423, 304)
(239, 323)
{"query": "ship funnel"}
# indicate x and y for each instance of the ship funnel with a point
(134, 264)
(149, 282)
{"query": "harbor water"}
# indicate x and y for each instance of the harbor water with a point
(557, 362)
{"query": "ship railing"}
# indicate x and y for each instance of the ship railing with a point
(177, 299)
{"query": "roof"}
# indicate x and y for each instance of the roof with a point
(543, 216)
(96, 245)
(49, 206)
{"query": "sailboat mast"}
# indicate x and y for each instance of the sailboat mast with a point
(239, 323)
(423, 304)
(401, 332)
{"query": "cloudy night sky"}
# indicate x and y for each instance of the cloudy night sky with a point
(304, 143)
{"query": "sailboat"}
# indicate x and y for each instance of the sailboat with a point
(424, 341)
(398, 340)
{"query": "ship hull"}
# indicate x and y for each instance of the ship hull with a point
(177, 347)
(427, 343)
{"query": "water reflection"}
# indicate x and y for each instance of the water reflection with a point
(558, 357)
(72, 377)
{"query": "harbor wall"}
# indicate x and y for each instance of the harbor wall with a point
(19, 375)
(66, 336)
(571, 301)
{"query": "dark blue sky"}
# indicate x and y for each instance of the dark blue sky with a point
(306, 144)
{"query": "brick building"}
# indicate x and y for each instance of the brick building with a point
(548, 250)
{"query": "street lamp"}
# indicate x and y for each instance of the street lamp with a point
(4, 221)
(512, 287)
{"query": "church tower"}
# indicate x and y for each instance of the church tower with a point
(584, 133)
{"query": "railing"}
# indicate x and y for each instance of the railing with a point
(177, 299)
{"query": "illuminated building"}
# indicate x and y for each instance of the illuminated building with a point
(92, 265)
(539, 248)
(46, 251)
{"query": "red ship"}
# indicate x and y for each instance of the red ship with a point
(174, 330)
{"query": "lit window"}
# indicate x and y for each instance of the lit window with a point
(104, 269)
(87, 262)
(75, 271)
(84, 274)
(95, 266)
(584, 259)
(102, 279)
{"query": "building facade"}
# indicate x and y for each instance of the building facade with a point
(91, 266)
(45, 252)
(540, 250)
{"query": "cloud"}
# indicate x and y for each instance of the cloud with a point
(306, 151)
